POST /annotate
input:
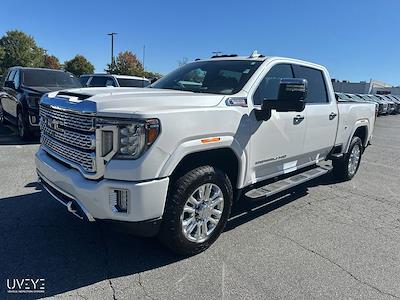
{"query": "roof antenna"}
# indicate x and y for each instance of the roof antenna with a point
(255, 54)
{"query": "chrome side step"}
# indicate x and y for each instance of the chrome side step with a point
(287, 183)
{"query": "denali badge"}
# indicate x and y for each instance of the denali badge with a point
(53, 124)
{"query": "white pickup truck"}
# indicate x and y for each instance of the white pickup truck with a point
(171, 159)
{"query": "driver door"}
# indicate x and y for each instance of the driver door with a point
(276, 144)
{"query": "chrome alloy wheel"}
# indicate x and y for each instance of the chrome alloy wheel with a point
(202, 212)
(354, 159)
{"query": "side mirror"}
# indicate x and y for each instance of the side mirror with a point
(10, 84)
(291, 95)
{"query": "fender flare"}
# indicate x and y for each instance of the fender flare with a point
(196, 145)
(359, 123)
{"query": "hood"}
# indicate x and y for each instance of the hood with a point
(40, 89)
(138, 100)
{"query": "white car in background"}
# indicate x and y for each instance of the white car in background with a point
(108, 80)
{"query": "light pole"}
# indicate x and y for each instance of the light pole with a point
(112, 50)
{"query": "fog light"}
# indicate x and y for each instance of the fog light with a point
(119, 200)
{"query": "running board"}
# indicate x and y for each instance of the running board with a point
(287, 183)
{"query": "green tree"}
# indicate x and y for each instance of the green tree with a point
(126, 64)
(20, 49)
(151, 75)
(51, 62)
(79, 65)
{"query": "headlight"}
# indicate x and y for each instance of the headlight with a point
(32, 101)
(135, 138)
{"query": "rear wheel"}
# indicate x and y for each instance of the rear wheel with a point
(347, 167)
(196, 211)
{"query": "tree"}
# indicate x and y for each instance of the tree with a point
(79, 65)
(126, 64)
(152, 75)
(20, 49)
(51, 62)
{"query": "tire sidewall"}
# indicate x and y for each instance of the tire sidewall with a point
(2, 120)
(356, 142)
(211, 176)
(20, 119)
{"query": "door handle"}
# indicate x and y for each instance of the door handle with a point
(332, 116)
(298, 119)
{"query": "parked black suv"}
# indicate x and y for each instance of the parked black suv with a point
(20, 91)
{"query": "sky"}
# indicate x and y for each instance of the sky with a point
(355, 39)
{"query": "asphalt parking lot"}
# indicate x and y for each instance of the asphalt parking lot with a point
(325, 240)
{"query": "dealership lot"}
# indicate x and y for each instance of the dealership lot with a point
(325, 240)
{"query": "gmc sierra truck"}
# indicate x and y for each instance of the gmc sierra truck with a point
(171, 159)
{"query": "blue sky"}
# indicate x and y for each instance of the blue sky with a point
(355, 39)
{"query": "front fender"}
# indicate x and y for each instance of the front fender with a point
(201, 145)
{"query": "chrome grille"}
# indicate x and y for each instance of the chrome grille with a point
(79, 140)
(86, 160)
(69, 137)
(69, 120)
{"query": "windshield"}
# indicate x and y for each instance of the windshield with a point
(225, 77)
(48, 78)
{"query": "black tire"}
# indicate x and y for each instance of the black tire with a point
(23, 130)
(171, 232)
(341, 168)
(2, 118)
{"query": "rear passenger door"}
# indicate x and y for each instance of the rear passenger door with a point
(321, 114)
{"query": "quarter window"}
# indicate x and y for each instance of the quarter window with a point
(316, 83)
(269, 86)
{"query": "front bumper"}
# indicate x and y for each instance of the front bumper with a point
(90, 198)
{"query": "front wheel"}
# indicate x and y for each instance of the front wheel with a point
(2, 116)
(346, 167)
(23, 132)
(196, 211)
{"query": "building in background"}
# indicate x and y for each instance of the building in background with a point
(363, 87)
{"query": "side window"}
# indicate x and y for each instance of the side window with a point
(316, 83)
(98, 81)
(110, 82)
(83, 80)
(269, 86)
(17, 79)
(11, 75)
